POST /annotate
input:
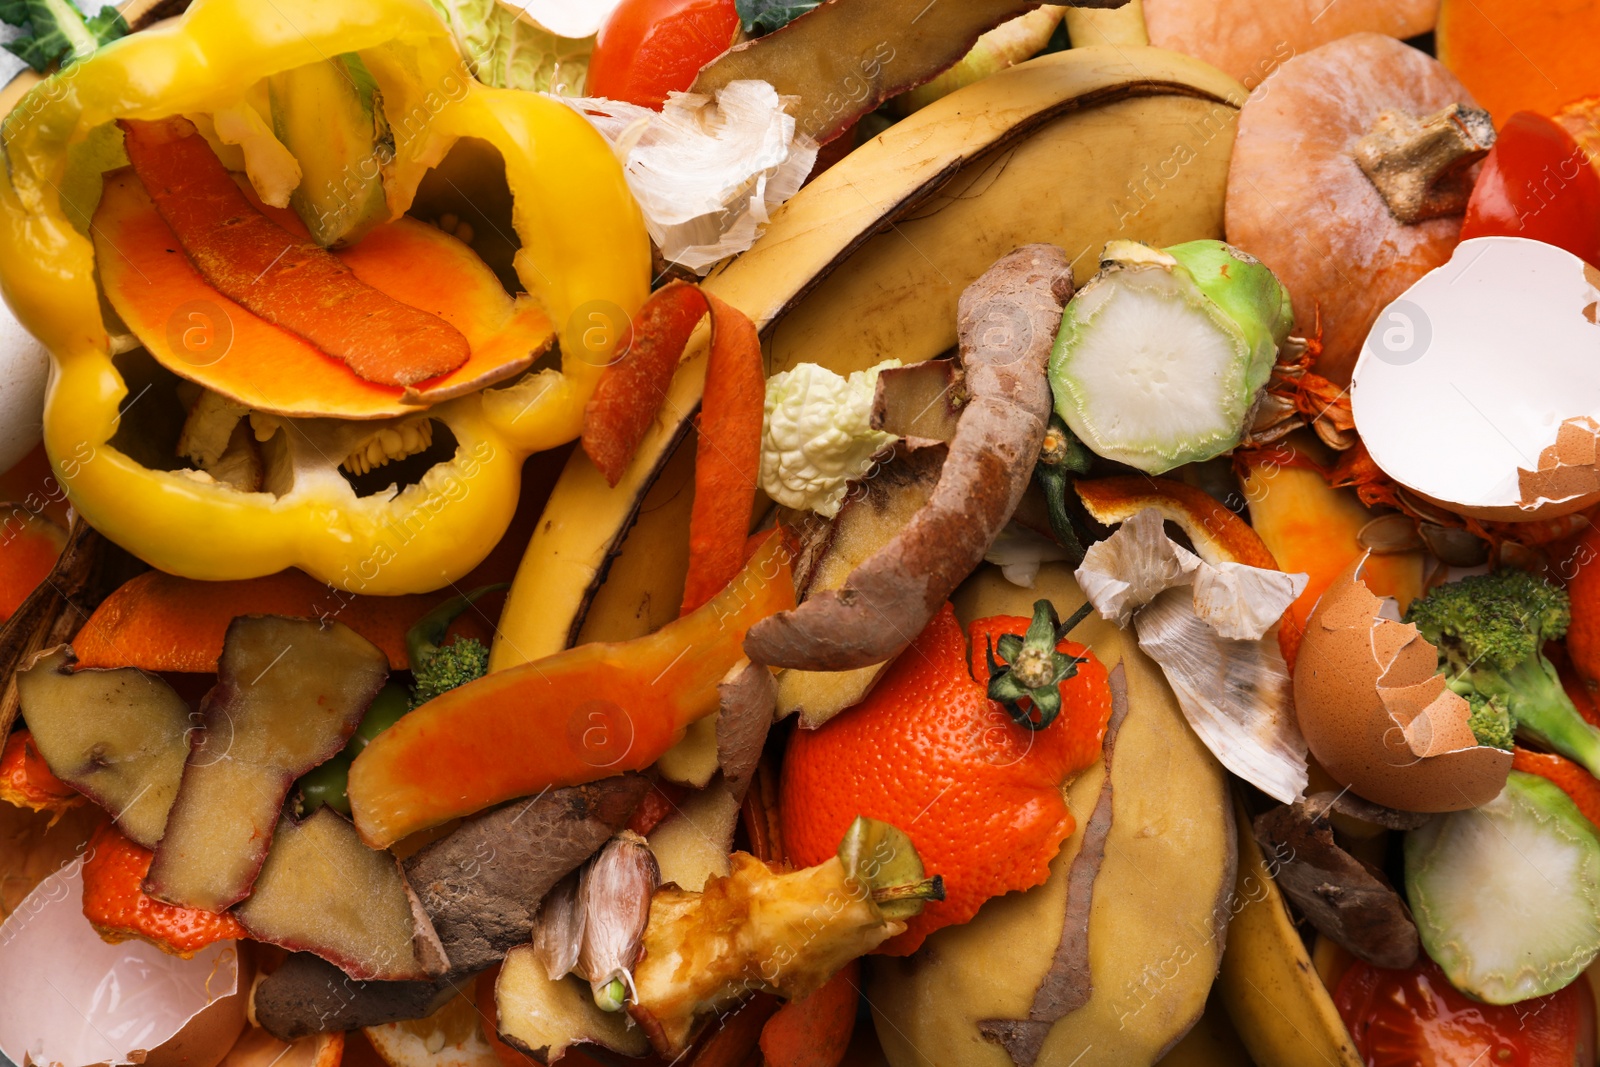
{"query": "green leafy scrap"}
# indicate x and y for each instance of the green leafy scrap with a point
(761, 17)
(54, 31)
(510, 52)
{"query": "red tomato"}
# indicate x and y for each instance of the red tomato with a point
(1537, 183)
(1416, 1018)
(648, 48)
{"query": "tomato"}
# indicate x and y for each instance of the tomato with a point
(648, 48)
(1416, 1018)
(1537, 183)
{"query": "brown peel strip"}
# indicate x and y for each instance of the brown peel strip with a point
(749, 699)
(1068, 984)
(1354, 907)
(1007, 323)
(923, 400)
(481, 884)
(844, 58)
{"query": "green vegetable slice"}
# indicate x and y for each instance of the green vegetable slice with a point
(1162, 355)
(1506, 896)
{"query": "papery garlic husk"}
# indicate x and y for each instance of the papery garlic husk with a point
(614, 895)
(1134, 565)
(707, 171)
(1209, 627)
(1019, 553)
(558, 929)
(1236, 694)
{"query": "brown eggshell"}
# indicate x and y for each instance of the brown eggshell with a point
(1377, 715)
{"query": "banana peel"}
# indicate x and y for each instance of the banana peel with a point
(1275, 997)
(1157, 906)
(867, 261)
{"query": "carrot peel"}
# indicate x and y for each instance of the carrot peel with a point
(728, 453)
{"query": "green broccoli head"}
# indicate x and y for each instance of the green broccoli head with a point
(1494, 621)
(1489, 631)
(1490, 721)
(447, 666)
(437, 667)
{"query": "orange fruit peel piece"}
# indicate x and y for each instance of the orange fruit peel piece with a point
(929, 752)
(114, 870)
(27, 782)
(1218, 535)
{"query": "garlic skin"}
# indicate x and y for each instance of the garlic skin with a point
(1207, 627)
(592, 923)
(24, 372)
(558, 929)
(707, 171)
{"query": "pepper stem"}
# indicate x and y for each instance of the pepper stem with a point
(1034, 667)
(1061, 456)
(927, 889)
(1419, 165)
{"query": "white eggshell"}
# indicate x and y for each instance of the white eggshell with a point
(24, 372)
(1468, 375)
(68, 998)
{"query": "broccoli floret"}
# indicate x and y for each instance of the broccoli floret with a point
(1490, 721)
(440, 671)
(1489, 630)
(437, 668)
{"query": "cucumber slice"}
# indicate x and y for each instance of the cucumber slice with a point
(330, 116)
(1161, 356)
(1506, 896)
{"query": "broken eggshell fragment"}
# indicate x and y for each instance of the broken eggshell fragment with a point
(1475, 387)
(1378, 716)
(69, 998)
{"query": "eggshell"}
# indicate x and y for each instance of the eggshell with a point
(67, 998)
(1377, 715)
(24, 372)
(1474, 387)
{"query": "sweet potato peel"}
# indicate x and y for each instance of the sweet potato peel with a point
(287, 280)
(1007, 323)
(728, 454)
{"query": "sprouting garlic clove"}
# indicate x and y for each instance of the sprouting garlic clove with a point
(614, 896)
(558, 928)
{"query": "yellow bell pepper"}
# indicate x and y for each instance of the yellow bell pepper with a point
(584, 257)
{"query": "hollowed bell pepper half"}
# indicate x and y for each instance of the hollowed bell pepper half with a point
(582, 256)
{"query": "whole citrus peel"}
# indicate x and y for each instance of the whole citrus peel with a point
(928, 751)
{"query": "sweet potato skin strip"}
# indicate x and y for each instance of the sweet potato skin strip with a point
(728, 455)
(287, 280)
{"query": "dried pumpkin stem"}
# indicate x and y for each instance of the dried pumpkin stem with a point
(1419, 165)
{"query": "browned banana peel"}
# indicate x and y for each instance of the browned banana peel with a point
(844, 58)
(1007, 323)
(764, 929)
